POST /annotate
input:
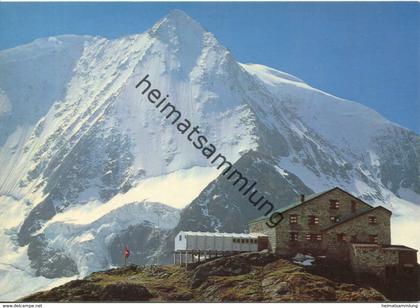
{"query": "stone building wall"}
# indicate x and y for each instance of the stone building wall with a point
(391, 257)
(371, 258)
(361, 230)
(367, 258)
(261, 227)
(319, 207)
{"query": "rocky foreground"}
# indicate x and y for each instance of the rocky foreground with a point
(248, 277)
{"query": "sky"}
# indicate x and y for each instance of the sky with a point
(365, 52)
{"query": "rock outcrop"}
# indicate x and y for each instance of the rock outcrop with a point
(247, 277)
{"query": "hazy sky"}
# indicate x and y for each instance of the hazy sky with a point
(366, 52)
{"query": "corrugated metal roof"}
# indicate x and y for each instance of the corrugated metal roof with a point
(388, 247)
(398, 247)
(220, 234)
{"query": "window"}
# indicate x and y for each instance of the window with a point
(242, 241)
(334, 204)
(293, 219)
(293, 236)
(313, 237)
(353, 206)
(372, 220)
(341, 237)
(180, 237)
(373, 239)
(334, 219)
(313, 220)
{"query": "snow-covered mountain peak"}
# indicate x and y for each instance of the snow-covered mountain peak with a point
(186, 43)
(180, 22)
(178, 29)
(181, 17)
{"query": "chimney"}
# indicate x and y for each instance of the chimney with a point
(302, 198)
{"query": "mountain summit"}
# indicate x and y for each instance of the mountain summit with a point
(178, 20)
(89, 166)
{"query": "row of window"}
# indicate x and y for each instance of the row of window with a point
(245, 240)
(373, 238)
(335, 204)
(294, 236)
(313, 237)
(314, 220)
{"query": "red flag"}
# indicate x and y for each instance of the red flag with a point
(126, 252)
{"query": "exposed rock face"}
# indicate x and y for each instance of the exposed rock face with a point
(86, 291)
(143, 240)
(400, 167)
(230, 266)
(82, 164)
(49, 262)
(123, 291)
(248, 277)
(221, 207)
